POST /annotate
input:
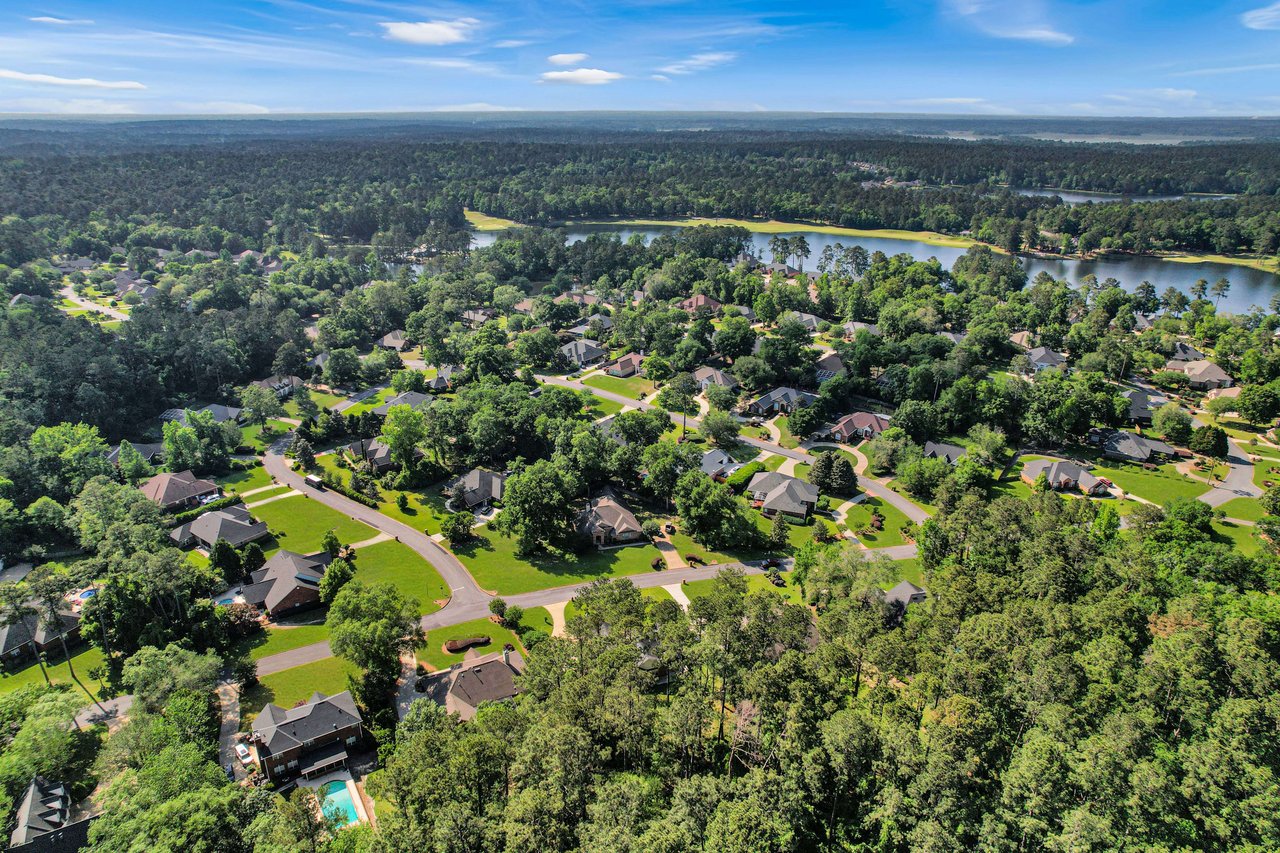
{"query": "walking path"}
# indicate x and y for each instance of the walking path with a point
(279, 497)
(244, 495)
(374, 540)
(557, 617)
(70, 295)
(229, 701)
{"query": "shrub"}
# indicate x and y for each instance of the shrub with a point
(193, 514)
(738, 479)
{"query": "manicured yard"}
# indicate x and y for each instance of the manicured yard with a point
(396, 563)
(860, 517)
(1265, 470)
(491, 559)
(432, 651)
(83, 661)
(270, 492)
(773, 461)
(910, 570)
(755, 583)
(1246, 509)
(244, 481)
(1237, 429)
(897, 487)
(290, 686)
(371, 403)
(537, 618)
(259, 437)
(631, 386)
(299, 524)
(784, 428)
(322, 399)
(426, 508)
(1159, 486)
(282, 639)
(600, 407)
(1238, 535)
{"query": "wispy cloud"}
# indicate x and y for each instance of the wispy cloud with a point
(477, 107)
(566, 58)
(224, 108)
(70, 106)
(581, 77)
(61, 22)
(431, 32)
(698, 62)
(1023, 20)
(1265, 18)
(1229, 69)
(506, 44)
(80, 82)
(456, 64)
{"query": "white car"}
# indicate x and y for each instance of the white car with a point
(242, 753)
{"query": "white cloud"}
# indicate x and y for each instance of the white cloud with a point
(661, 78)
(82, 82)
(581, 77)
(456, 64)
(1265, 18)
(1229, 69)
(698, 62)
(431, 32)
(477, 107)
(942, 101)
(510, 43)
(61, 22)
(1023, 20)
(69, 106)
(566, 58)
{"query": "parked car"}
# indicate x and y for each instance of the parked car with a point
(670, 528)
(771, 563)
(242, 753)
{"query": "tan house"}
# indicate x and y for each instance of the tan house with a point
(627, 365)
(183, 490)
(607, 521)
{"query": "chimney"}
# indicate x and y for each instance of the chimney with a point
(506, 655)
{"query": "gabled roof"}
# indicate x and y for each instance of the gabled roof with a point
(1136, 447)
(717, 462)
(903, 593)
(278, 729)
(699, 302)
(711, 376)
(608, 513)
(1185, 352)
(487, 679)
(34, 628)
(171, 489)
(394, 339)
(829, 365)
(1139, 404)
(784, 396)
(1060, 474)
(44, 808)
(582, 351)
(950, 452)
(1046, 356)
(413, 399)
(287, 575)
(477, 486)
(809, 321)
(863, 422)
(233, 523)
(783, 493)
(954, 337)
(852, 328)
(149, 452)
(370, 450)
(632, 360)
(1205, 371)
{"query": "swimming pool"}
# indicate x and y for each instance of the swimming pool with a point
(336, 798)
(226, 601)
(88, 594)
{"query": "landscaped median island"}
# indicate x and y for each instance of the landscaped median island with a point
(433, 653)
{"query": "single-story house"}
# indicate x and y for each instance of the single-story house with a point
(477, 316)
(221, 414)
(952, 453)
(182, 490)
(700, 303)
(142, 290)
(476, 488)
(719, 465)
(309, 740)
(1118, 444)
(606, 520)
(412, 399)
(583, 353)
(855, 426)
(852, 328)
(373, 453)
(775, 493)
(627, 365)
(234, 524)
(287, 583)
(780, 400)
(464, 687)
(1205, 375)
(443, 380)
(1140, 408)
(42, 818)
(829, 366)
(1220, 393)
(32, 635)
(785, 269)
(1185, 352)
(283, 386)
(809, 321)
(745, 312)
(393, 340)
(524, 306)
(577, 299)
(151, 452)
(1063, 476)
(1022, 340)
(956, 338)
(582, 329)
(903, 596)
(1043, 358)
(708, 376)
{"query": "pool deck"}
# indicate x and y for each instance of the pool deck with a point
(362, 816)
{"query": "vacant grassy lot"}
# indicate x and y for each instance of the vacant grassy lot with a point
(322, 399)
(491, 559)
(83, 659)
(397, 564)
(860, 517)
(631, 386)
(484, 222)
(773, 226)
(260, 437)
(432, 651)
(299, 524)
(290, 686)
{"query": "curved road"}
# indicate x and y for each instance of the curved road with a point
(70, 295)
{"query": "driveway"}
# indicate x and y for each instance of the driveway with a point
(112, 712)
(70, 295)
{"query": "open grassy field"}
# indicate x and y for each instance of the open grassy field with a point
(1239, 536)
(432, 651)
(396, 563)
(371, 403)
(299, 524)
(910, 570)
(83, 660)
(1159, 486)
(484, 222)
(491, 559)
(322, 399)
(600, 407)
(1246, 509)
(426, 508)
(259, 437)
(631, 386)
(773, 226)
(860, 517)
(290, 686)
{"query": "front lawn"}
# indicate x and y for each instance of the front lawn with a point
(1266, 470)
(268, 492)
(432, 651)
(83, 661)
(299, 524)
(910, 570)
(284, 638)
(755, 583)
(397, 564)
(426, 508)
(1245, 509)
(1238, 536)
(260, 437)
(244, 481)
(371, 403)
(491, 559)
(288, 687)
(1159, 486)
(634, 387)
(322, 399)
(784, 428)
(600, 407)
(860, 517)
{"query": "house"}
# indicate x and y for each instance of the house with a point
(182, 490)
(393, 340)
(1043, 358)
(524, 306)
(1118, 444)
(1063, 476)
(41, 823)
(26, 299)
(582, 329)
(33, 635)
(809, 321)
(150, 453)
(309, 740)
(1022, 340)
(700, 303)
(476, 488)
(283, 386)
(1140, 406)
(719, 465)
(852, 328)
(627, 365)
(579, 299)
(1143, 322)
(464, 687)
(745, 312)
(775, 493)
(477, 316)
(443, 380)
(952, 453)
(780, 400)
(708, 376)
(221, 414)
(583, 353)
(902, 596)
(143, 292)
(373, 453)
(1221, 393)
(609, 521)
(233, 523)
(956, 338)
(786, 270)
(1205, 375)
(1185, 352)
(746, 259)
(286, 583)
(318, 363)
(829, 366)
(412, 399)
(855, 427)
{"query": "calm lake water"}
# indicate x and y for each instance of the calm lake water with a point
(1081, 196)
(1248, 286)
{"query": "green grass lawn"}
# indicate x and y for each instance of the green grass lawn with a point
(322, 399)
(83, 661)
(1237, 535)
(299, 524)
(631, 386)
(426, 510)
(259, 437)
(537, 618)
(773, 461)
(860, 517)
(755, 583)
(396, 563)
(1263, 473)
(600, 407)
(897, 487)
(784, 428)
(371, 403)
(491, 559)
(1246, 509)
(269, 493)
(1237, 429)
(290, 686)
(282, 639)
(1159, 486)
(244, 481)
(432, 651)
(910, 570)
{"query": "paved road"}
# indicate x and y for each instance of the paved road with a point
(112, 712)
(69, 294)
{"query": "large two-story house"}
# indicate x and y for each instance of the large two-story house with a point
(309, 740)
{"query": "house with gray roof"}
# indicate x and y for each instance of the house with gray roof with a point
(477, 681)
(443, 380)
(182, 490)
(233, 523)
(708, 376)
(221, 414)
(150, 452)
(809, 321)
(1141, 408)
(902, 596)
(393, 340)
(1118, 444)
(583, 353)
(282, 385)
(42, 815)
(1063, 476)
(852, 328)
(476, 488)
(309, 740)
(780, 401)
(287, 583)
(952, 453)
(34, 635)
(829, 366)
(607, 521)
(583, 329)
(719, 465)
(412, 399)
(773, 493)
(1043, 358)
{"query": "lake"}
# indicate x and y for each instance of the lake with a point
(1081, 196)
(1248, 286)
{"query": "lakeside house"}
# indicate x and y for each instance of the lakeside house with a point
(233, 523)
(181, 490)
(607, 521)
(287, 583)
(774, 493)
(1063, 476)
(309, 740)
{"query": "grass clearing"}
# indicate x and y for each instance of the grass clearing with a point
(491, 559)
(284, 638)
(260, 436)
(299, 524)
(631, 386)
(1238, 536)
(288, 687)
(787, 440)
(484, 222)
(860, 517)
(755, 583)
(773, 226)
(1159, 486)
(244, 481)
(1245, 509)
(600, 407)
(425, 510)
(432, 651)
(910, 570)
(397, 564)
(56, 666)
(322, 399)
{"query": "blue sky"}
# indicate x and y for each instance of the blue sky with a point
(1073, 57)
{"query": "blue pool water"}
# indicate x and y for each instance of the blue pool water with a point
(336, 798)
(225, 601)
(88, 594)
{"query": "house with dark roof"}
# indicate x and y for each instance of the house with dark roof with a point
(287, 583)
(42, 815)
(1141, 410)
(708, 376)
(700, 303)
(852, 328)
(952, 453)
(151, 453)
(829, 367)
(773, 493)
(607, 521)
(393, 340)
(1183, 351)
(309, 740)
(627, 365)
(785, 269)
(318, 361)
(233, 523)
(956, 338)
(412, 399)
(902, 596)
(221, 414)
(780, 401)
(443, 380)
(373, 453)
(1130, 447)
(182, 490)
(1043, 358)
(477, 681)
(33, 635)
(809, 321)
(719, 465)
(477, 316)
(583, 353)
(854, 427)
(583, 329)
(476, 488)
(1063, 476)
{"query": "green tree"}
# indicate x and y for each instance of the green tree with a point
(536, 506)
(735, 338)
(1173, 422)
(710, 512)
(335, 577)
(1209, 441)
(133, 468)
(721, 397)
(153, 675)
(261, 404)
(225, 560)
(721, 427)
(372, 627)
(456, 527)
(403, 432)
(330, 544)
(1258, 404)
